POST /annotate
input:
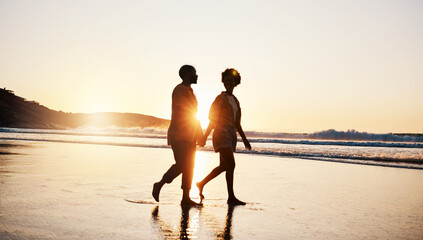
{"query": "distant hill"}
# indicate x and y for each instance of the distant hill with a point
(18, 112)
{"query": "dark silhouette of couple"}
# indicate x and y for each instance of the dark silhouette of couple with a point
(185, 133)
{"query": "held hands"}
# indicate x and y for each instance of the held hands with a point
(202, 141)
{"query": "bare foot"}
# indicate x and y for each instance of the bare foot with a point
(189, 202)
(156, 191)
(235, 201)
(200, 188)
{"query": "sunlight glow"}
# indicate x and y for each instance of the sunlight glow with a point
(203, 118)
(194, 224)
(94, 105)
(205, 98)
(200, 171)
(303, 69)
(98, 120)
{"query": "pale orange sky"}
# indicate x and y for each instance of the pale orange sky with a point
(305, 65)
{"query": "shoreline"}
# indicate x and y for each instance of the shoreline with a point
(417, 163)
(60, 191)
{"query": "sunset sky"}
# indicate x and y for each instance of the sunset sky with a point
(306, 65)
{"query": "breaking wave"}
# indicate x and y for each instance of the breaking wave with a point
(347, 147)
(352, 135)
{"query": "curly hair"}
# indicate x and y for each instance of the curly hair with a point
(234, 73)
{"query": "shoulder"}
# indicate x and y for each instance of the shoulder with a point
(220, 98)
(181, 89)
(236, 99)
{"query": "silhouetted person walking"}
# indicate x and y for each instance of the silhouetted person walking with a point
(183, 133)
(225, 119)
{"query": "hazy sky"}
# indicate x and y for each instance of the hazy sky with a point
(305, 65)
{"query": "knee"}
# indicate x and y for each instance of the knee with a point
(178, 167)
(230, 166)
(220, 168)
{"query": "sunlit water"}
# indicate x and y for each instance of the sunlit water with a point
(55, 190)
(406, 154)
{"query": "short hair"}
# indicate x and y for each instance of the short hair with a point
(234, 73)
(185, 69)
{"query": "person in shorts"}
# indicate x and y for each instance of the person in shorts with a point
(225, 119)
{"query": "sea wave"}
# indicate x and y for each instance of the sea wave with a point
(340, 143)
(328, 137)
(350, 135)
(411, 159)
(401, 153)
(93, 131)
(343, 157)
(86, 142)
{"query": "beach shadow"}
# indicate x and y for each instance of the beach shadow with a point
(185, 228)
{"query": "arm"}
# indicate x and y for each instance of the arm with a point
(239, 128)
(244, 138)
(209, 128)
(213, 116)
(206, 134)
(199, 134)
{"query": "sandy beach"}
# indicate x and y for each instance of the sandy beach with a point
(78, 191)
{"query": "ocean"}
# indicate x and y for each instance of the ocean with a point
(390, 150)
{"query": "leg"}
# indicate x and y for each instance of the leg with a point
(214, 173)
(187, 166)
(170, 174)
(168, 177)
(187, 159)
(229, 160)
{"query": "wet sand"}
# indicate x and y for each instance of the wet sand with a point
(78, 191)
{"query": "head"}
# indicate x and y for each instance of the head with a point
(188, 74)
(231, 78)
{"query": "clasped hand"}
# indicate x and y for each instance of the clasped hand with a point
(202, 141)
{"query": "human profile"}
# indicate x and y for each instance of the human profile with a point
(183, 134)
(225, 119)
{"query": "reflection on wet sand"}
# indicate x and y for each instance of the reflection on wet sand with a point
(228, 226)
(189, 226)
